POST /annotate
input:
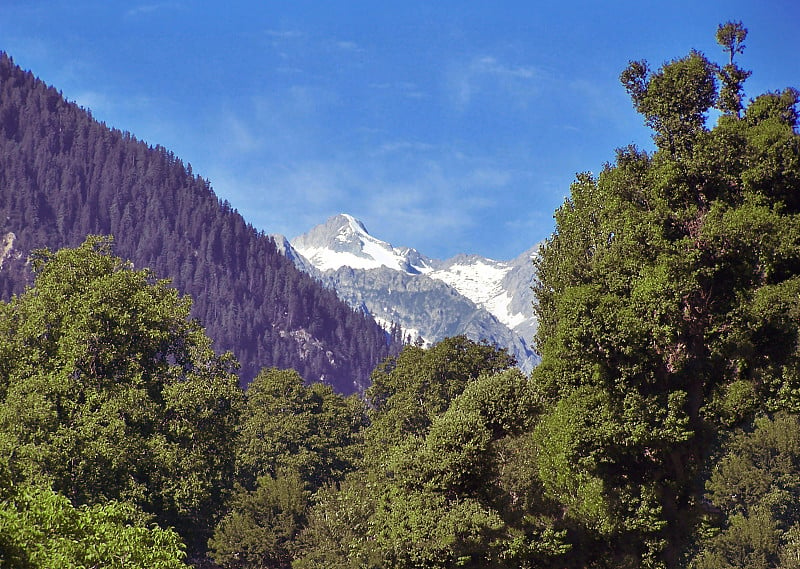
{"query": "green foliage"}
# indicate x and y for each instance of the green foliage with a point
(337, 533)
(42, 529)
(755, 486)
(409, 390)
(761, 469)
(292, 439)
(463, 492)
(569, 440)
(668, 307)
(426, 529)
(451, 458)
(660, 429)
(288, 426)
(731, 37)
(669, 311)
(113, 393)
(503, 401)
(262, 525)
(673, 100)
(773, 151)
(63, 182)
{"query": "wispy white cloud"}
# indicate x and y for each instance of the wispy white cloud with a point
(410, 191)
(414, 194)
(289, 70)
(237, 135)
(94, 101)
(286, 45)
(285, 34)
(348, 46)
(116, 109)
(321, 185)
(307, 99)
(143, 9)
(301, 52)
(300, 38)
(402, 146)
(406, 89)
(601, 100)
(487, 74)
(490, 177)
(491, 66)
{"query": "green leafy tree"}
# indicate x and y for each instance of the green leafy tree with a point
(458, 494)
(731, 36)
(673, 100)
(292, 439)
(262, 525)
(409, 390)
(42, 529)
(289, 426)
(668, 306)
(755, 490)
(112, 393)
(426, 529)
(337, 533)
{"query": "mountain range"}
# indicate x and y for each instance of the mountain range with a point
(331, 310)
(429, 299)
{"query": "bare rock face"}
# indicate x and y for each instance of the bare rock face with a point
(430, 299)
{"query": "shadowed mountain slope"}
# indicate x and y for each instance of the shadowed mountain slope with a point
(64, 175)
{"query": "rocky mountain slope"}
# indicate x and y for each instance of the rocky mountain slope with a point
(430, 299)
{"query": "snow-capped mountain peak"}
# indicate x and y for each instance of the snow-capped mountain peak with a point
(468, 294)
(343, 241)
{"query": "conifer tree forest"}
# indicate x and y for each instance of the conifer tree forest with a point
(65, 175)
(660, 430)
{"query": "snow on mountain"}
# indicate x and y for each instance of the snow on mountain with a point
(501, 287)
(468, 294)
(343, 241)
(481, 281)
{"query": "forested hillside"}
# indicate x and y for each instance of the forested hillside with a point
(64, 175)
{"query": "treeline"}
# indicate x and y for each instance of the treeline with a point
(125, 441)
(64, 175)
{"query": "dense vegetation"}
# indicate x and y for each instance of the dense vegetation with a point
(669, 299)
(64, 175)
(662, 428)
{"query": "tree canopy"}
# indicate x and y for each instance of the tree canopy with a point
(661, 429)
(668, 301)
(110, 391)
(41, 528)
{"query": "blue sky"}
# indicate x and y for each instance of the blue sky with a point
(446, 126)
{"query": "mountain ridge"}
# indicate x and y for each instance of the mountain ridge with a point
(466, 294)
(64, 175)
(343, 241)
